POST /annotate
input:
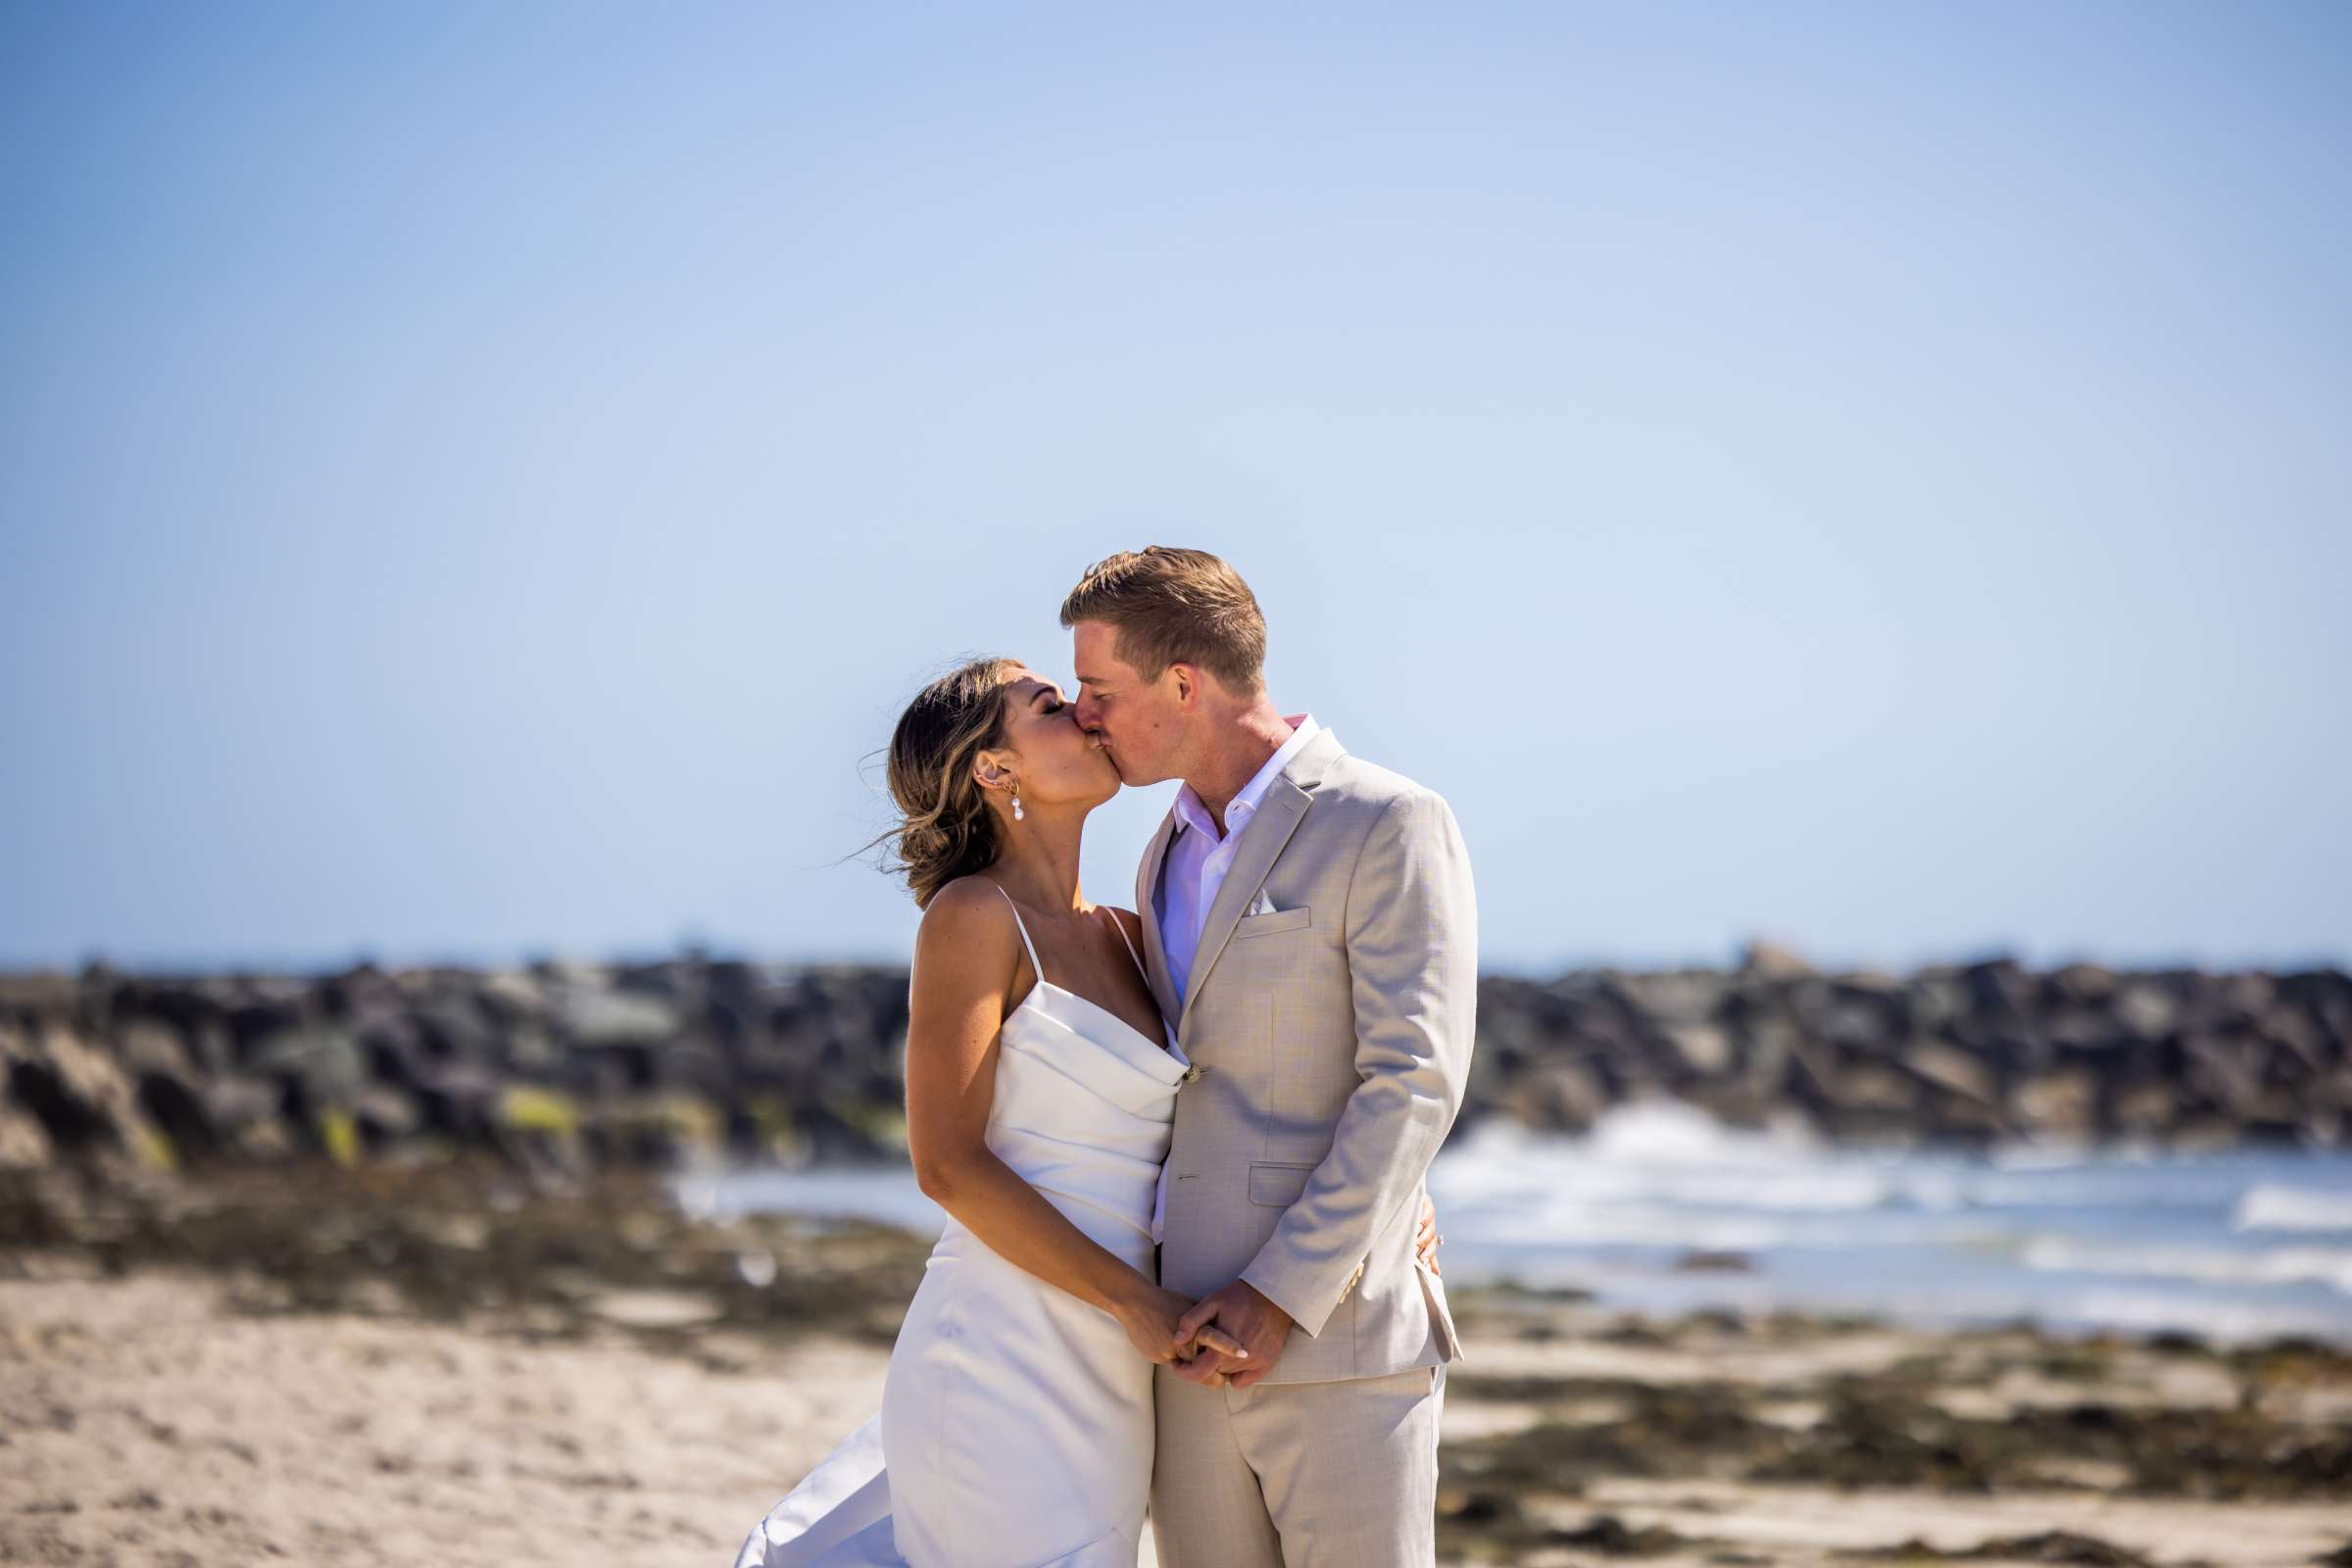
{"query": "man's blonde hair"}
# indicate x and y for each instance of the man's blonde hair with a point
(1175, 607)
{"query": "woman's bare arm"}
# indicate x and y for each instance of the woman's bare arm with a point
(965, 957)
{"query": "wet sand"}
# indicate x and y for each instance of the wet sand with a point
(460, 1368)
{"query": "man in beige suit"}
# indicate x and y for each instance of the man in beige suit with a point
(1310, 924)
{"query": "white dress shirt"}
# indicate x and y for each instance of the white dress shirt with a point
(1194, 869)
(1199, 857)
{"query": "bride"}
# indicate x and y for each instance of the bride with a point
(1016, 1419)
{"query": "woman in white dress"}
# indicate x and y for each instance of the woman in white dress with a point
(1016, 1421)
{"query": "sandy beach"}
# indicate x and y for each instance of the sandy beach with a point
(150, 1420)
(462, 1368)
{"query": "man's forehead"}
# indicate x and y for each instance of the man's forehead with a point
(1095, 651)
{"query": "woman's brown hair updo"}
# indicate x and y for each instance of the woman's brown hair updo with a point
(945, 829)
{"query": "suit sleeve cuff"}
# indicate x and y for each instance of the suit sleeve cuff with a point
(1305, 1313)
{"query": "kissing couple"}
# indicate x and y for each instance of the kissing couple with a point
(1189, 1261)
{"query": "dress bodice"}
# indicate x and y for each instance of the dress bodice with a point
(1084, 1107)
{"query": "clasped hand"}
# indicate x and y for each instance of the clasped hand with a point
(1151, 1321)
(1261, 1328)
(1254, 1329)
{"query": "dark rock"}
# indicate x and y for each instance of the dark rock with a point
(182, 1115)
(385, 1118)
(1613, 1537)
(1998, 990)
(1560, 1096)
(1706, 1262)
(73, 1122)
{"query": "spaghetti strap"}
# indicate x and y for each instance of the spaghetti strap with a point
(1024, 929)
(1121, 926)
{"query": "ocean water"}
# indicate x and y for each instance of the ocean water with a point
(1660, 1209)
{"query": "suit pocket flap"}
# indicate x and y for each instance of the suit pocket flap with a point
(1277, 1186)
(1263, 925)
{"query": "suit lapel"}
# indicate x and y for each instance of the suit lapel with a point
(1269, 828)
(1155, 948)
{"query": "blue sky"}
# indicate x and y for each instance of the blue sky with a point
(477, 483)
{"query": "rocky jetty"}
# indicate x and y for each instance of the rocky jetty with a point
(1959, 1053)
(591, 1066)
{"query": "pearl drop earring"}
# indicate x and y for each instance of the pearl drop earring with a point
(1017, 802)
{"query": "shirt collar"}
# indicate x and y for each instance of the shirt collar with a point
(1192, 813)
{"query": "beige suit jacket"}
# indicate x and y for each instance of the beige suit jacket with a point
(1334, 1033)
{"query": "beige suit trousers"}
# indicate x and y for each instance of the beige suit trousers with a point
(1342, 1474)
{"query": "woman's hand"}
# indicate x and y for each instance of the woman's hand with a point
(1425, 1244)
(1150, 1316)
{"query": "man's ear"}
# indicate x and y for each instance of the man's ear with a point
(1188, 684)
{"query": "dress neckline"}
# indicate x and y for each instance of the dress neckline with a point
(1164, 1047)
(1161, 1046)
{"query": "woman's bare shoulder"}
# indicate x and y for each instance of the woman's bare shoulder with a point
(967, 940)
(962, 899)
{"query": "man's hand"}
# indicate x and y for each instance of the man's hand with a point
(1149, 1314)
(1261, 1327)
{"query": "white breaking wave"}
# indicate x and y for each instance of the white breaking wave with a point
(2291, 1208)
(2225, 1244)
(2331, 1265)
(1662, 1153)
(1661, 1132)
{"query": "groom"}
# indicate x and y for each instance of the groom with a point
(1309, 921)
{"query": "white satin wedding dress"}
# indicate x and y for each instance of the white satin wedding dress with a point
(1016, 1420)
